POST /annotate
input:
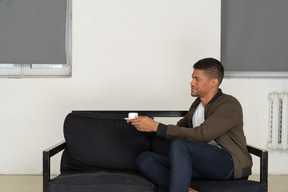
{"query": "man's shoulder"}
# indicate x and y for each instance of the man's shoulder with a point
(225, 104)
(226, 98)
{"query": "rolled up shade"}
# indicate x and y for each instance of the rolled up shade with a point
(33, 31)
(254, 35)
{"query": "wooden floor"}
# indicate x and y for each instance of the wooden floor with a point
(33, 183)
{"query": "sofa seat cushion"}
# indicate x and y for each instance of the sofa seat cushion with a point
(227, 186)
(101, 181)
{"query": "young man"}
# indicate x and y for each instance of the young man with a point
(208, 143)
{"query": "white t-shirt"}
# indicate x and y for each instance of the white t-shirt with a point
(199, 118)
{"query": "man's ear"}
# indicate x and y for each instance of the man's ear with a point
(214, 82)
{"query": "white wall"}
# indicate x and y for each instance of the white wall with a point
(126, 55)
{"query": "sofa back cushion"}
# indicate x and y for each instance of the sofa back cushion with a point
(101, 141)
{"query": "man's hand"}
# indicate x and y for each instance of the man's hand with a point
(144, 124)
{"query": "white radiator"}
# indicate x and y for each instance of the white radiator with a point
(278, 121)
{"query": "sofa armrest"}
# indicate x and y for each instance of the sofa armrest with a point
(47, 154)
(263, 155)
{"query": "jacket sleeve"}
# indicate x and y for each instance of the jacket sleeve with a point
(220, 118)
(162, 129)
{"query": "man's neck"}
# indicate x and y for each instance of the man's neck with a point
(205, 100)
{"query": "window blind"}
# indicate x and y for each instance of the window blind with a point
(254, 35)
(33, 31)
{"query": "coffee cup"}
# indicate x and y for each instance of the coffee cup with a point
(132, 115)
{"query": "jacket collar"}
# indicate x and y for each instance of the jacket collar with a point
(197, 101)
(218, 94)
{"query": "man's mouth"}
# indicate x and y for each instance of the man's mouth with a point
(193, 88)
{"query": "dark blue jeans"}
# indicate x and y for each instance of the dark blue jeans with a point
(187, 160)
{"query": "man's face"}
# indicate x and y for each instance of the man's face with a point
(200, 84)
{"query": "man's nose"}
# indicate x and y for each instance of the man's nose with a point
(192, 83)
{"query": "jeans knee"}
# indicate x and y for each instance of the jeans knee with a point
(143, 160)
(177, 144)
(178, 148)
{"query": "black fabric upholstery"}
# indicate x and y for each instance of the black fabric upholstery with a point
(224, 186)
(101, 141)
(160, 145)
(227, 186)
(102, 181)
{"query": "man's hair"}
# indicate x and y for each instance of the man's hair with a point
(212, 68)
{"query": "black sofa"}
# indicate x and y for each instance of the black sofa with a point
(100, 150)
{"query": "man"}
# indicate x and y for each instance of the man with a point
(208, 143)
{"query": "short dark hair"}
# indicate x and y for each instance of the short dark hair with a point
(211, 67)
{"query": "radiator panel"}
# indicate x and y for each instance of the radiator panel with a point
(278, 121)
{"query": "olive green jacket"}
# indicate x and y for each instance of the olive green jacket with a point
(223, 123)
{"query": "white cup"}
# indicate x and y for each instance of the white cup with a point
(132, 115)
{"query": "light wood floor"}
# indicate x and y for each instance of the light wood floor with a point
(33, 183)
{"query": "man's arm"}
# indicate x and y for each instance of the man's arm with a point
(162, 129)
(226, 115)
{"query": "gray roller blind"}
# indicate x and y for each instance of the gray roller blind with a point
(33, 31)
(254, 35)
